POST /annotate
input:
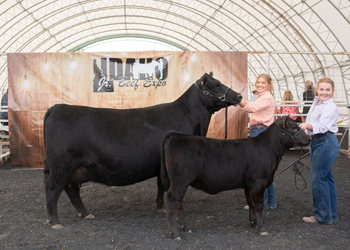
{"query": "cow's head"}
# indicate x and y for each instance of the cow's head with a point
(215, 94)
(291, 134)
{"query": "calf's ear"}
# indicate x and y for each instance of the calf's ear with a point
(285, 121)
(211, 73)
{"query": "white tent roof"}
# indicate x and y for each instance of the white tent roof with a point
(214, 25)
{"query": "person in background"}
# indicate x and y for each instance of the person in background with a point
(308, 95)
(262, 115)
(255, 94)
(321, 124)
(289, 110)
(4, 101)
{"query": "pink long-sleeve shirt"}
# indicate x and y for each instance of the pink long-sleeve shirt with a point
(262, 109)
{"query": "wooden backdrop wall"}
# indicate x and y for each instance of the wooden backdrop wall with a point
(59, 82)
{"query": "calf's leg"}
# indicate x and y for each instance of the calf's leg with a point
(174, 204)
(160, 194)
(252, 217)
(171, 212)
(258, 200)
(182, 218)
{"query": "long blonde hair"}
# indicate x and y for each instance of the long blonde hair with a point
(288, 96)
(268, 79)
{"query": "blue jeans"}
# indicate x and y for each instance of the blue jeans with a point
(270, 193)
(323, 152)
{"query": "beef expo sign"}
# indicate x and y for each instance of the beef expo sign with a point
(112, 73)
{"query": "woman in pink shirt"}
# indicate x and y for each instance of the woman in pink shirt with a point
(262, 115)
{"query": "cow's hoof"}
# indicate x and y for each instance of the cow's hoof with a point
(178, 238)
(90, 216)
(264, 233)
(161, 210)
(57, 226)
(189, 231)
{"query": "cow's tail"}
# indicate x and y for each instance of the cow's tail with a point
(163, 170)
(46, 167)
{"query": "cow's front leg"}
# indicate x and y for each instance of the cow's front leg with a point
(160, 195)
(252, 217)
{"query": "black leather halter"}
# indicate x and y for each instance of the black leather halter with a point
(206, 92)
(221, 98)
(285, 132)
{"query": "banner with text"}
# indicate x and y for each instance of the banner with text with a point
(125, 80)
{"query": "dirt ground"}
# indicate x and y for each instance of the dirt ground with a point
(126, 219)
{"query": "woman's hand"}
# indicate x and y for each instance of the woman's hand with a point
(305, 126)
(242, 103)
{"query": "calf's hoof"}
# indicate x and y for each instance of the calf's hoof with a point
(178, 238)
(264, 233)
(175, 236)
(57, 226)
(253, 225)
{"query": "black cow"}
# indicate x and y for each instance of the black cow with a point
(214, 165)
(120, 147)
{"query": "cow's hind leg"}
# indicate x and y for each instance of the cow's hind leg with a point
(160, 195)
(80, 175)
(52, 192)
(73, 192)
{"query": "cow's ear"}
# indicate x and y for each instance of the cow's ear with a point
(200, 81)
(205, 79)
(211, 74)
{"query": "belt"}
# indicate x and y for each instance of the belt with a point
(259, 125)
(317, 136)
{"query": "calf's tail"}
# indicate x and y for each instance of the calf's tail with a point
(163, 170)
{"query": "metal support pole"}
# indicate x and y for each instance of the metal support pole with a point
(349, 133)
(267, 62)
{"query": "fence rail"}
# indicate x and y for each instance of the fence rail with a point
(4, 136)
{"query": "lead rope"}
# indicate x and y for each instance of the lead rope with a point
(298, 167)
(226, 123)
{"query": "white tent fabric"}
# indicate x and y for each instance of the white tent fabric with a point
(283, 28)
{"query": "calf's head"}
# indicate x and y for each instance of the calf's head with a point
(215, 94)
(292, 134)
